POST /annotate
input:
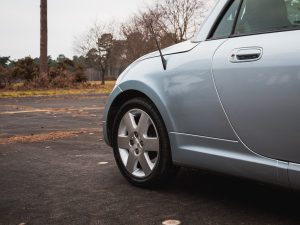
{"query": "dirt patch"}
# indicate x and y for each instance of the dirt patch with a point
(54, 110)
(15, 107)
(52, 136)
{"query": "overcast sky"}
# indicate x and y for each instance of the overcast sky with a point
(19, 23)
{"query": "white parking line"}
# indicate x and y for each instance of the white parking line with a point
(171, 222)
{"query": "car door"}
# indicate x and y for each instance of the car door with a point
(257, 76)
(191, 97)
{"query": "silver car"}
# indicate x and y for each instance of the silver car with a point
(226, 101)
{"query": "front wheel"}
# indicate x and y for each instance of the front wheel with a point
(141, 144)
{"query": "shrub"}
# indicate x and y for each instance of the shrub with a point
(5, 77)
(41, 81)
(62, 80)
(79, 76)
(25, 69)
(65, 74)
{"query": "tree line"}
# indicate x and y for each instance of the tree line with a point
(62, 72)
(173, 21)
(107, 47)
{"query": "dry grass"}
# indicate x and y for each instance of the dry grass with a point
(95, 88)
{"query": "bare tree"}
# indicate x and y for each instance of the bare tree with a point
(96, 45)
(173, 21)
(138, 38)
(179, 17)
(43, 38)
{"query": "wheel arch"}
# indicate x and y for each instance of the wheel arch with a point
(128, 93)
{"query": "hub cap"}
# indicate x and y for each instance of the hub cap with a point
(138, 143)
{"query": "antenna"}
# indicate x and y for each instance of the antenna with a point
(163, 60)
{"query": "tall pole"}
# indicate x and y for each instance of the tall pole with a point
(43, 38)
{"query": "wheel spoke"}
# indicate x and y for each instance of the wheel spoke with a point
(131, 162)
(151, 144)
(129, 122)
(143, 124)
(145, 164)
(123, 142)
(138, 151)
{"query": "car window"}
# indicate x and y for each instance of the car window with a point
(257, 16)
(293, 10)
(225, 26)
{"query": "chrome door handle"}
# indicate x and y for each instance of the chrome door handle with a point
(246, 54)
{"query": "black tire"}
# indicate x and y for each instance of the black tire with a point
(164, 168)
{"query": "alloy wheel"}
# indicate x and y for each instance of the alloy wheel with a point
(138, 143)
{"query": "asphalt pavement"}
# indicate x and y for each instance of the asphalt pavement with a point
(56, 169)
